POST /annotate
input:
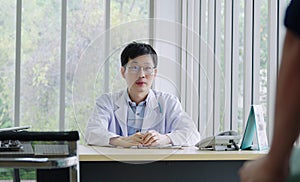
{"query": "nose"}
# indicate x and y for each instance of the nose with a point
(141, 73)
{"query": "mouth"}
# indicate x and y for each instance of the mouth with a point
(140, 83)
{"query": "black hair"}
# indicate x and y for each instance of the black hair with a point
(135, 49)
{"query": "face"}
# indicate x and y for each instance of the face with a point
(137, 73)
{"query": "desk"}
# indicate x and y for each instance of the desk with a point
(62, 168)
(187, 164)
(51, 165)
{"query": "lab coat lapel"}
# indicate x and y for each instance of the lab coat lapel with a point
(153, 113)
(121, 112)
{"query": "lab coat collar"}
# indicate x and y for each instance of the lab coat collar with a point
(121, 112)
(153, 112)
(151, 100)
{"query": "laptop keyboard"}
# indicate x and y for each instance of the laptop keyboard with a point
(48, 150)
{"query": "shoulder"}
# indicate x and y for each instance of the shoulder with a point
(168, 102)
(165, 96)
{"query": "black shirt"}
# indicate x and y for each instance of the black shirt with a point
(292, 17)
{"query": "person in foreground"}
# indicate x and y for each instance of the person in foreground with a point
(139, 115)
(274, 167)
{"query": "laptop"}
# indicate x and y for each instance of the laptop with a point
(12, 145)
(17, 128)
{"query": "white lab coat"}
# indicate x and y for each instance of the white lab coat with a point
(163, 113)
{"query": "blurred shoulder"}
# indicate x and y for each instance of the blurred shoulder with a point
(165, 95)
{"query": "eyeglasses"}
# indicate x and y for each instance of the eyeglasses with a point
(148, 70)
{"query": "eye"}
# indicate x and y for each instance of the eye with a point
(148, 68)
(135, 67)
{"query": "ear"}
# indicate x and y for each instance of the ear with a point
(123, 71)
(154, 73)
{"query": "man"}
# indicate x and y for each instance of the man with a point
(275, 165)
(140, 116)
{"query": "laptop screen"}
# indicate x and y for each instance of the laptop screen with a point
(17, 128)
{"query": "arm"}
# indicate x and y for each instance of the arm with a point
(287, 110)
(97, 131)
(97, 128)
(180, 128)
(184, 131)
(175, 128)
(275, 166)
(133, 140)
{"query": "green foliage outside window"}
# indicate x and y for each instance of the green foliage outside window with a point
(25, 174)
(40, 59)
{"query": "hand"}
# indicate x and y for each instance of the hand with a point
(263, 170)
(153, 138)
(133, 140)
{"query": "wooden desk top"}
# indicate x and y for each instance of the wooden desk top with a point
(95, 153)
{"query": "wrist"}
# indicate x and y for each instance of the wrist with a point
(280, 167)
(114, 140)
(168, 139)
(276, 159)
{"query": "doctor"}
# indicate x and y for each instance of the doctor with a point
(140, 116)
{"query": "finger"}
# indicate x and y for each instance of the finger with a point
(138, 135)
(148, 137)
(151, 143)
(134, 138)
(154, 144)
(150, 133)
(138, 139)
(151, 140)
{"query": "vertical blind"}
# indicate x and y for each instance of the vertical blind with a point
(229, 56)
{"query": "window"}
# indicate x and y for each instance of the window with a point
(40, 64)
(93, 54)
(63, 57)
(7, 62)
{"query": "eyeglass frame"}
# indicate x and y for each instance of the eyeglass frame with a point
(130, 70)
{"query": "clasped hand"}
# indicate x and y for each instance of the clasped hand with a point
(150, 138)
